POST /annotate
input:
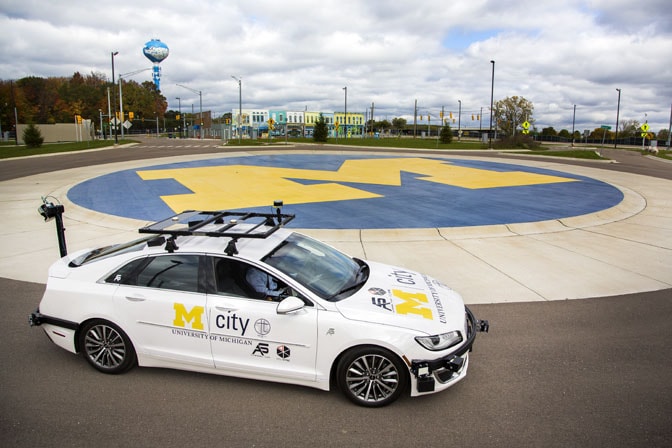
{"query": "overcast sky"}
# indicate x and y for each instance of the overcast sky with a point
(296, 54)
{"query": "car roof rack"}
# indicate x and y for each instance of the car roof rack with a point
(219, 224)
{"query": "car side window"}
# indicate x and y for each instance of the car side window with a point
(179, 272)
(234, 277)
(229, 277)
(171, 271)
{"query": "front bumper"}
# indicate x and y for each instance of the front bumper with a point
(451, 367)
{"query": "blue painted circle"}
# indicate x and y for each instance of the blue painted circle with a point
(415, 204)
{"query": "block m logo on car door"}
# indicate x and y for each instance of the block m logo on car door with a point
(192, 318)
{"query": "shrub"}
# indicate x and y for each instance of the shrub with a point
(32, 136)
(320, 132)
(519, 141)
(446, 135)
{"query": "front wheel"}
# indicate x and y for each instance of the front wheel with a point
(371, 376)
(106, 347)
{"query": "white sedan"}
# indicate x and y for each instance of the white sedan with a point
(239, 294)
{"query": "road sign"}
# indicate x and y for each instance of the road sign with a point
(526, 125)
(604, 126)
(646, 127)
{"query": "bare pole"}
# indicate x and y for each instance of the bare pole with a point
(618, 110)
(669, 130)
(114, 98)
(492, 97)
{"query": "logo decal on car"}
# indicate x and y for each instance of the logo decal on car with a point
(184, 317)
(412, 303)
(262, 327)
(261, 350)
(283, 352)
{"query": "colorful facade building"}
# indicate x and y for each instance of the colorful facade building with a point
(254, 123)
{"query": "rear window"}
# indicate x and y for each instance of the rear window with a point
(110, 251)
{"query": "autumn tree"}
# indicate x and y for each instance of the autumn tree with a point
(511, 112)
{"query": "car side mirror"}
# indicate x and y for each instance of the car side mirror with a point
(290, 305)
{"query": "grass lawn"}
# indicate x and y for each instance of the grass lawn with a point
(9, 150)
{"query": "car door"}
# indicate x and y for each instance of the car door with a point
(249, 335)
(161, 302)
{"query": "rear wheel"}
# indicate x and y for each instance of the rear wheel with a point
(106, 347)
(371, 376)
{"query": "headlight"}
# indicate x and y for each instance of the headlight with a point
(440, 341)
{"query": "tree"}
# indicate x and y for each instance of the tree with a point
(446, 135)
(511, 112)
(549, 131)
(32, 136)
(320, 131)
(629, 128)
(564, 133)
(399, 124)
(384, 125)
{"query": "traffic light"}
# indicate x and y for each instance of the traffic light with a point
(131, 115)
(451, 116)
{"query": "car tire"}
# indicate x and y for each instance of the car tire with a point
(106, 347)
(371, 376)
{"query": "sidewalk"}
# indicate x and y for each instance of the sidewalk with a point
(625, 249)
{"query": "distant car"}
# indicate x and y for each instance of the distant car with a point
(239, 294)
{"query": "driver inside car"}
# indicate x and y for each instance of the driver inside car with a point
(265, 285)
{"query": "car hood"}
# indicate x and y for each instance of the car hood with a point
(404, 298)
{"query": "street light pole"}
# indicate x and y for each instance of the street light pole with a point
(346, 111)
(114, 99)
(618, 110)
(459, 119)
(200, 114)
(121, 101)
(492, 96)
(573, 122)
(240, 108)
(179, 111)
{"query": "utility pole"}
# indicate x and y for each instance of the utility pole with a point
(200, 114)
(618, 110)
(114, 100)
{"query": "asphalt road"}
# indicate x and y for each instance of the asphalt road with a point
(593, 372)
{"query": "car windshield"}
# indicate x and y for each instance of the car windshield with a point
(327, 272)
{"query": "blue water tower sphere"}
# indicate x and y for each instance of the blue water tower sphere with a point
(155, 50)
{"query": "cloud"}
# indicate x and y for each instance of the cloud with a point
(298, 53)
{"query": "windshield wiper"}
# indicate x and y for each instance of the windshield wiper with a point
(363, 272)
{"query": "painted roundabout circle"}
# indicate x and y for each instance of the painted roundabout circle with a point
(328, 191)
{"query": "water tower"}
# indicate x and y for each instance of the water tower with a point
(156, 51)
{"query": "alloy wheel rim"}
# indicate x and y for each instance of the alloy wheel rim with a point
(372, 378)
(105, 346)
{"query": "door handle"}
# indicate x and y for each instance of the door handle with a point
(135, 299)
(225, 308)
